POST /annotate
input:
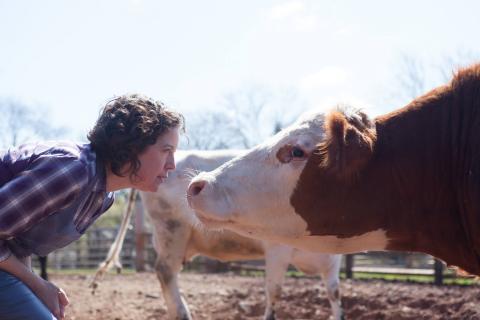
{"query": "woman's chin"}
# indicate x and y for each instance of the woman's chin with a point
(148, 188)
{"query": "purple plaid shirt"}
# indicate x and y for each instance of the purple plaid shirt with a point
(37, 180)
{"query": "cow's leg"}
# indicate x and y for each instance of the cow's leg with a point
(277, 259)
(167, 273)
(330, 277)
(170, 245)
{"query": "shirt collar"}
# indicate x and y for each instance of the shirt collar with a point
(97, 170)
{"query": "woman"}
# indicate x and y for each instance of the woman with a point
(50, 193)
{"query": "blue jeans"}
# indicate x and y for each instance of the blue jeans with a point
(17, 301)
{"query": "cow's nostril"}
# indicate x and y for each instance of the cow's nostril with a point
(196, 187)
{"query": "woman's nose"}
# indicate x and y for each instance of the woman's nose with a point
(170, 165)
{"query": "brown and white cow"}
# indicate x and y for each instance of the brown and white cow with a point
(178, 238)
(407, 181)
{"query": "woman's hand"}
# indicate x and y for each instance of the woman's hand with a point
(53, 297)
(63, 302)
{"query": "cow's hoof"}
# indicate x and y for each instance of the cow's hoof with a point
(270, 316)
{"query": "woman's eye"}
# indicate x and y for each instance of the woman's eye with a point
(297, 153)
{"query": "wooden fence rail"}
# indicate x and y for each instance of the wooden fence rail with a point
(92, 249)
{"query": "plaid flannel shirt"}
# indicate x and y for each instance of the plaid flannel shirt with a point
(37, 180)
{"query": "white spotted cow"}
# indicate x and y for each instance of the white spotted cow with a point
(178, 237)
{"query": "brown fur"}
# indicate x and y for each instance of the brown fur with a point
(349, 144)
(417, 175)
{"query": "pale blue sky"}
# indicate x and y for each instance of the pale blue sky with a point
(72, 56)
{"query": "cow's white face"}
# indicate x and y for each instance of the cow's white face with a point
(251, 194)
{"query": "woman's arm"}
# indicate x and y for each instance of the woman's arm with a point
(53, 297)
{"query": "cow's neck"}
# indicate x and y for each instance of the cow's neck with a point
(407, 190)
(416, 155)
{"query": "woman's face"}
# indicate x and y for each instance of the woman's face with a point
(156, 161)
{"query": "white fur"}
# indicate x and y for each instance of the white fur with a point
(374, 240)
(168, 207)
(251, 195)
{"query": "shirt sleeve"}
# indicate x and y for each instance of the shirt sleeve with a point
(46, 187)
(4, 251)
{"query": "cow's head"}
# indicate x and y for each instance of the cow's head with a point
(252, 194)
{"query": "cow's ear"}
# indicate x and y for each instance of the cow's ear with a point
(349, 144)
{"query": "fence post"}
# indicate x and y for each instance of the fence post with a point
(139, 236)
(349, 266)
(438, 266)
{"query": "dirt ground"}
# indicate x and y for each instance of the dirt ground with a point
(226, 296)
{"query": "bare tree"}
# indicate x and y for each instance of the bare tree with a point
(245, 110)
(450, 64)
(287, 108)
(412, 77)
(245, 118)
(415, 77)
(211, 130)
(20, 122)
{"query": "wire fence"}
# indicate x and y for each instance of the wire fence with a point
(92, 248)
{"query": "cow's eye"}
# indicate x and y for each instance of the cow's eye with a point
(297, 153)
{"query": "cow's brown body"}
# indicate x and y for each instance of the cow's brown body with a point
(414, 173)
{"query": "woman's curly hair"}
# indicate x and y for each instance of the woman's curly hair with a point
(126, 127)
